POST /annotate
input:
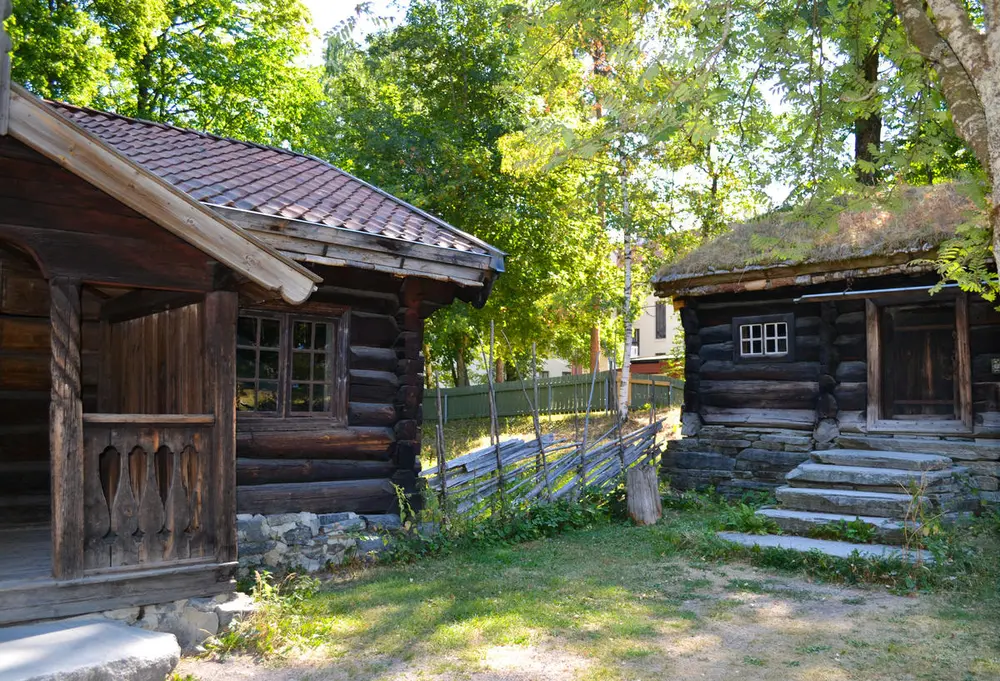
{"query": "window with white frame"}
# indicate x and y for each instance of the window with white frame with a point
(763, 337)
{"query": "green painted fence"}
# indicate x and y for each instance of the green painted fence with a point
(556, 395)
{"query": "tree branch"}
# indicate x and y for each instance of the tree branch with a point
(953, 24)
(957, 85)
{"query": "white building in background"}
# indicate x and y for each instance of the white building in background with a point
(655, 336)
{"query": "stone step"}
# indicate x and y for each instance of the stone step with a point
(963, 449)
(91, 648)
(802, 523)
(891, 480)
(837, 549)
(909, 461)
(851, 502)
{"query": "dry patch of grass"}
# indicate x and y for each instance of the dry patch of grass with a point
(613, 603)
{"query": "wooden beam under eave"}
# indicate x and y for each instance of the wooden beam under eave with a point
(5, 45)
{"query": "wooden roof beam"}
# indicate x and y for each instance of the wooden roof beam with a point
(40, 127)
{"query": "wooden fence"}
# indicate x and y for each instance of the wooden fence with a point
(556, 395)
(517, 472)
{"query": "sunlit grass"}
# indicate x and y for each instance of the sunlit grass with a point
(618, 602)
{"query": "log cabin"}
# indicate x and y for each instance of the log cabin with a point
(192, 327)
(809, 336)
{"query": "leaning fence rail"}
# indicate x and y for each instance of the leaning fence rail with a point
(555, 395)
(471, 483)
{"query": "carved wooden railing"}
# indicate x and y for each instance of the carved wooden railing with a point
(147, 489)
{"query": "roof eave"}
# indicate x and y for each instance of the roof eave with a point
(766, 277)
(37, 125)
(340, 246)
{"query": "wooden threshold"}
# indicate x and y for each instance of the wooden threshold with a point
(30, 600)
(152, 419)
(928, 427)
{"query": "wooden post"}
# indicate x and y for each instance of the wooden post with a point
(221, 311)
(873, 337)
(586, 423)
(963, 361)
(66, 429)
(441, 452)
(495, 422)
(643, 495)
(541, 462)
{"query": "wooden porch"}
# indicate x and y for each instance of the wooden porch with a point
(140, 428)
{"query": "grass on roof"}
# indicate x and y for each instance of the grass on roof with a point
(905, 219)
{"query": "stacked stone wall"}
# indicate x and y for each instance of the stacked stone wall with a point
(734, 459)
(309, 542)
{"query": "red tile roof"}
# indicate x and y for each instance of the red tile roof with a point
(231, 173)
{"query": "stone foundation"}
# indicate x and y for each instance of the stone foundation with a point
(309, 542)
(191, 621)
(739, 458)
(736, 459)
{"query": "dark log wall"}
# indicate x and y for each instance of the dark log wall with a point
(79, 232)
(294, 465)
(53, 224)
(984, 344)
(747, 424)
(721, 384)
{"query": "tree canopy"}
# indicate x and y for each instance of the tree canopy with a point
(569, 133)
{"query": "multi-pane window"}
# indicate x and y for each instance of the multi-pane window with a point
(258, 360)
(763, 337)
(312, 379)
(661, 320)
(286, 365)
(635, 344)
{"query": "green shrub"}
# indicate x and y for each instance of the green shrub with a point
(743, 517)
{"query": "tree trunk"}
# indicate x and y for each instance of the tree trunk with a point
(969, 73)
(461, 370)
(595, 346)
(642, 493)
(428, 370)
(868, 129)
(499, 372)
(627, 307)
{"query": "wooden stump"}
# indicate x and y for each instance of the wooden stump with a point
(643, 494)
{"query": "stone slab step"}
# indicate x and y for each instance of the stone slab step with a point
(967, 450)
(91, 649)
(837, 549)
(909, 461)
(802, 523)
(851, 502)
(819, 474)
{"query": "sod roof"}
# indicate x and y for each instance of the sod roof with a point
(907, 220)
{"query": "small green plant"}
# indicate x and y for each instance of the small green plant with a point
(743, 517)
(263, 632)
(753, 661)
(856, 531)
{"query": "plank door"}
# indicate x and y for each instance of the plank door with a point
(923, 379)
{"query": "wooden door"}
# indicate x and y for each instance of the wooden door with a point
(919, 370)
(919, 344)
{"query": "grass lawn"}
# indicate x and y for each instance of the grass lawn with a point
(613, 602)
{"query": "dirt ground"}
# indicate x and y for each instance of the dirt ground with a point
(731, 622)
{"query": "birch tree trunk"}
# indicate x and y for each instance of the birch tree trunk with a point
(627, 307)
(967, 62)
